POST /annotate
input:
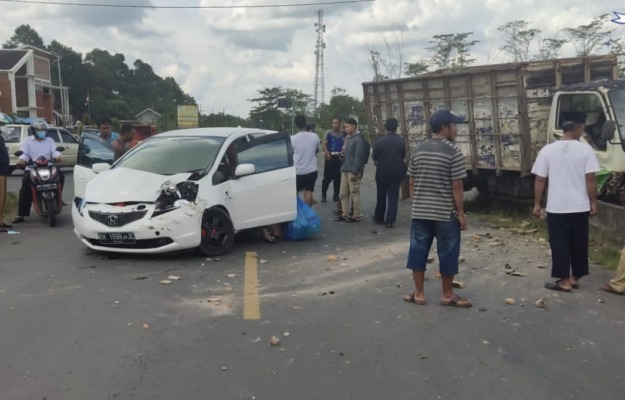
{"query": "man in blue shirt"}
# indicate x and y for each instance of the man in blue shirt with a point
(104, 130)
(333, 142)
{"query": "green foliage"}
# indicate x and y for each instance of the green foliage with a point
(518, 37)
(221, 119)
(588, 38)
(452, 50)
(416, 68)
(267, 115)
(341, 105)
(24, 34)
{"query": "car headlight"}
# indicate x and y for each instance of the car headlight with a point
(44, 174)
(81, 206)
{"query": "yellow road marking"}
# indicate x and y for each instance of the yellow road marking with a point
(251, 302)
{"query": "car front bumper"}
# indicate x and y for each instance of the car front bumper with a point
(175, 230)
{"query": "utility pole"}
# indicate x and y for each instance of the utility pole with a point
(319, 48)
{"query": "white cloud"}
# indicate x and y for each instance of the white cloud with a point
(223, 56)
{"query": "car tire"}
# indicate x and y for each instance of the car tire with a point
(217, 233)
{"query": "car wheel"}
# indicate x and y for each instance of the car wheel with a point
(217, 233)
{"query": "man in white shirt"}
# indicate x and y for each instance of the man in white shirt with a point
(570, 166)
(305, 147)
(36, 145)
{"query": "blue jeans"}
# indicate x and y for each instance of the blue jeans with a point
(447, 234)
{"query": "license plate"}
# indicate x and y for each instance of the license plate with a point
(117, 238)
(47, 186)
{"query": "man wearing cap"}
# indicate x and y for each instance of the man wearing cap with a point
(436, 172)
(570, 166)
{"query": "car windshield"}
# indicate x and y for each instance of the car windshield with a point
(617, 98)
(173, 155)
(11, 134)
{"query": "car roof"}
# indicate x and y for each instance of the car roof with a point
(207, 132)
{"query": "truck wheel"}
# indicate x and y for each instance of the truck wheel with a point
(217, 233)
(51, 208)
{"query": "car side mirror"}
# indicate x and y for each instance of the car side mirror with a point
(100, 167)
(608, 131)
(59, 148)
(244, 169)
(18, 153)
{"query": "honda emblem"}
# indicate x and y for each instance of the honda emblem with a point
(113, 220)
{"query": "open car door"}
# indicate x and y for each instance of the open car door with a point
(91, 150)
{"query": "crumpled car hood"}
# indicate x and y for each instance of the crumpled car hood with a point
(123, 185)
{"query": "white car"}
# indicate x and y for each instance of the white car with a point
(184, 189)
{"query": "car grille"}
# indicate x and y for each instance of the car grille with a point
(117, 219)
(140, 244)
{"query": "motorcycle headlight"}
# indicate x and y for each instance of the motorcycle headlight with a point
(44, 174)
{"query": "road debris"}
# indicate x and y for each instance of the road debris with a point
(213, 259)
(423, 356)
(541, 266)
(331, 258)
(431, 260)
(231, 276)
(139, 277)
(510, 301)
(224, 368)
(146, 326)
(165, 282)
(286, 334)
(458, 284)
(600, 301)
(274, 341)
(263, 261)
(344, 265)
(173, 278)
(513, 271)
(541, 303)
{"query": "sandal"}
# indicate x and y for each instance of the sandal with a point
(556, 286)
(409, 298)
(607, 288)
(352, 219)
(340, 218)
(457, 301)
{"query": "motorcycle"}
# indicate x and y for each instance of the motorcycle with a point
(46, 187)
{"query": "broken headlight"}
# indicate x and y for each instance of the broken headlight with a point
(173, 196)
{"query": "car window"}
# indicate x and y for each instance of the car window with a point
(173, 155)
(12, 134)
(54, 135)
(94, 150)
(67, 137)
(266, 155)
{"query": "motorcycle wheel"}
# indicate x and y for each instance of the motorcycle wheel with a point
(51, 208)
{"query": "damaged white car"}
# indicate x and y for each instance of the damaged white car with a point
(184, 189)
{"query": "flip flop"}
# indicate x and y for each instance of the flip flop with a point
(556, 286)
(607, 288)
(455, 302)
(409, 298)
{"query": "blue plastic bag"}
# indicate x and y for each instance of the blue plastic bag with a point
(305, 225)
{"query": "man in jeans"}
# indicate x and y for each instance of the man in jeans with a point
(351, 172)
(333, 142)
(436, 172)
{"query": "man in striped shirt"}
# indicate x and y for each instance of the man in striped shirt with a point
(436, 172)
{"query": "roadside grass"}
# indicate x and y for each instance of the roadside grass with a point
(516, 215)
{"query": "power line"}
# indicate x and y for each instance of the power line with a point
(59, 3)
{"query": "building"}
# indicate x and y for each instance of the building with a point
(26, 88)
(147, 117)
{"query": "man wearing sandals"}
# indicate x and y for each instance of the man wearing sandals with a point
(570, 166)
(436, 172)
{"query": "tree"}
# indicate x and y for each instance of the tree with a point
(391, 65)
(518, 36)
(416, 68)
(73, 75)
(588, 38)
(24, 34)
(221, 119)
(617, 47)
(267, 114)
(452, 50)
(374, 60)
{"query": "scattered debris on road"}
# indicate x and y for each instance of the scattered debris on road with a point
(146, 326)
(458, 284)
(231, 276)
(510, 301)
(274, 341)
(165, 282)
(541, 303)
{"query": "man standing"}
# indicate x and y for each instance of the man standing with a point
(4, 172)
(122, 143)
(351, 172)
(104, 130)
(305, 148)
(388, 154)
(570, 166)
(36, 145)
(333, 142)
(436, 172)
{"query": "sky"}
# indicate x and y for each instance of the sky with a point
(223, 56)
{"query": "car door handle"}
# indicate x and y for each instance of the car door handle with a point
(284, 179)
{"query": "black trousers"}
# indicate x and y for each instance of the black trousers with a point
(26, 194)
(388, 194)
(331, 173)
(568, 237)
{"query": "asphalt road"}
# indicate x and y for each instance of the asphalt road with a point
(82, 325)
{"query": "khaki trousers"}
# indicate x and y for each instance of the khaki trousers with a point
(349, 190)
(618, 283)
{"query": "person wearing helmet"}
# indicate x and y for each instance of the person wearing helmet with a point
(38, 144)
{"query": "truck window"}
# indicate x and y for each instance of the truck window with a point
(586, 108)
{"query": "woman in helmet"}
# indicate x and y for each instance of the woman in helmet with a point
(38, 144)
